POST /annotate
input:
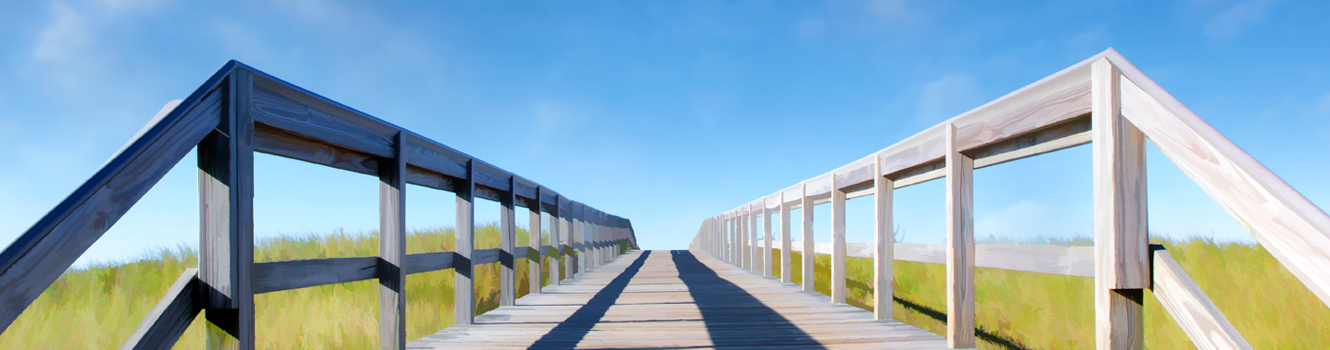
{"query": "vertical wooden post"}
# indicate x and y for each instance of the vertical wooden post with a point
(226, 220)
(533, 240)
(556, 254)
(837, 243)
(507, 241)
(785, 240)
(565, 245)
(1122, 254)
(745, 239)
(736, 237)
(392, 248)
(808, 268)
(579, 226)
(755, 258)
(884, 240)
(766, 243)
(464, 297)
(960, 245)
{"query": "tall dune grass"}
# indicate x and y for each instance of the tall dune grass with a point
(100, 306)
(1027, 310)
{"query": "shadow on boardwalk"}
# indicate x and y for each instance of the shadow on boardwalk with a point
(572, 330)
(733, 317)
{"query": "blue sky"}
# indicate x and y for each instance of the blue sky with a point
(661, 112)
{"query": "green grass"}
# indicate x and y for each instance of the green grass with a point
(1026, 310)
(98, 307)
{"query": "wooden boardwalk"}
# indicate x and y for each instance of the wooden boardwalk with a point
(677, 300)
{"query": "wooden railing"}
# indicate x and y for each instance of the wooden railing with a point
(1103, 99)
(239, 111)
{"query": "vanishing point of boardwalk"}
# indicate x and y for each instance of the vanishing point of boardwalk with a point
(677, 300)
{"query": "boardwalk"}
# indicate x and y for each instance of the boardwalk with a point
(674, 299)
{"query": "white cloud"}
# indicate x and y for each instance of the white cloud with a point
(945, 97)
(66, 38)
(1016, 218)
(1236, 19)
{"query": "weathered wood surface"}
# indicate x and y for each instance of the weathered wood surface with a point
(1292, 228)
(674, 299)
(1122, 252)
(1058, 260)
(168, 320)
(392, 248)
(37, 257)
(1190, 308)
(960, 244)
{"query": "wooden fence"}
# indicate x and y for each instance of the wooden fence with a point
(241, 110)
(1104, 100)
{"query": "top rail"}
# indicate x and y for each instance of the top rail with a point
(240, 110)
(1052, 114)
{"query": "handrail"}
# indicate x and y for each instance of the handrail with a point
(1051, 114)
(240, 110)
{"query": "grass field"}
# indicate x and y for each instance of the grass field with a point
(1027, 310)
(99, 307)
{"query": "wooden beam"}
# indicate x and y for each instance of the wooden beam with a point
(960, 245)
(883, 241)
(169, 319)
(464, 297)
(1190, 308)
(1291, 227)
(226, 206)
(533, 241)
(785, 248)
(279, 111)
(745, 239)
(808, 243)
(837, 245)
(766, 246)
(38, 257)
(426, 262)
(1121, 246)
(392, 248)
(556, 256)
(485, 256)
(296, 274)
(570, 266)
(507, 243)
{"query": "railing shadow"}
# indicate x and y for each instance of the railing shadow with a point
(571, 331)
(733, 317)
(995, 339)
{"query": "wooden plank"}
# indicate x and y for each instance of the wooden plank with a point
(275, 141)
(492, 177)
(1292, 228)
(1058, 260)
(745, 240)
(808, 243)
(1121, 247)
(533, 242)
(392, 248)
(485, 256)
(884, 239)
(556, 256)
(296, 274)
(281, 112)
(507, 243)
(464, 298)
(785, 248)
(226, 205)
(444, 161)
(50, 246)
(766, 236)
(426, 262)
(960, 245)
(668, 302)
(570, 266)
(837, 245)
(427, 178)
(167, 321)
(1190, 308)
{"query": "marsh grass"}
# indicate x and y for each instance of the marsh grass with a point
(98, 307)
(1027, 310)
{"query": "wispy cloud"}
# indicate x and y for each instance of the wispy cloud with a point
(945, 97)
(1237, 19)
